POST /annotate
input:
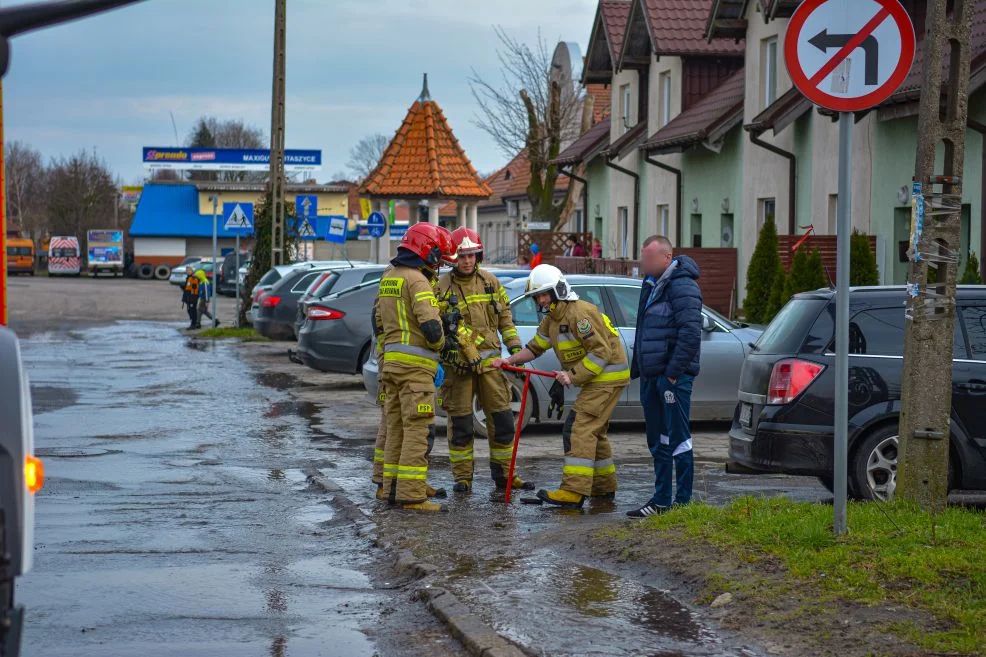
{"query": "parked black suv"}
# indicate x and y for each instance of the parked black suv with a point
(785, 416)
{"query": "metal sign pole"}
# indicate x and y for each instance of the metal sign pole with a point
(215, 242)
(844, 227)
(236, 322)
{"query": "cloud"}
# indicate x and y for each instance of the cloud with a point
(354, 67)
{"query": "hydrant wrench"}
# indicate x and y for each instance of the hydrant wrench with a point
(520, 418)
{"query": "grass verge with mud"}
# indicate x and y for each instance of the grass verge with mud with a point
(914, 583)
(245, 334)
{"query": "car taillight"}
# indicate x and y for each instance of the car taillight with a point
(34, 474)
(269, 301)
(320, 312)
(790, 378)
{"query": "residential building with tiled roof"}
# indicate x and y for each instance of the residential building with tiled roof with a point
(425, 163)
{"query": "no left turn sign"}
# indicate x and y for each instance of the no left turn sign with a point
(849, 55)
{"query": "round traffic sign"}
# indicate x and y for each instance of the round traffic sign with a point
(849, 55)
(377, 224)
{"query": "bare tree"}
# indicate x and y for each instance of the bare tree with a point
(26, 180)
(529, 110)
(366, 154)
(210, 132)
(81, 194)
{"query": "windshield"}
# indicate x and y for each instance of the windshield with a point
(64, 253)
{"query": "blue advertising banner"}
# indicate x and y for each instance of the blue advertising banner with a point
(227, 159)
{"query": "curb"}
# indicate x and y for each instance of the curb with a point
(479, 639)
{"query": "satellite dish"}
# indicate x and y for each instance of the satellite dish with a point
(566, 67)
(904, 195)
(727, 237)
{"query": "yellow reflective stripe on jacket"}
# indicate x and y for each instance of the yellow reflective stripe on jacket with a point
(425, 295)
(541, 341)
(402, 320)
(479, 298)
(578, 467)
(613, 373)
(510, 333)
(568, 344)
(410, 359)
(590, 363)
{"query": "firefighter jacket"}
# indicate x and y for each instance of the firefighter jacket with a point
(586, 343)
(406, 319)
(485, 309)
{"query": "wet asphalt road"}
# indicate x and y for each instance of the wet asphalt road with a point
(176, 517)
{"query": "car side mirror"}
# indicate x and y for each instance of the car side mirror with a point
(707, 324)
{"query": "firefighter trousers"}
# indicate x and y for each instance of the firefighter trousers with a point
(493, 392)
(410, 410)
(381, 442)
(589, 467)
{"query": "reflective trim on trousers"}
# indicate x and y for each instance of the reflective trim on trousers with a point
(578, 467)
(378, 455)
(604, 467)
(390, 469)
(412, 472)
(686, 446)
(459, 455)
(501, 455)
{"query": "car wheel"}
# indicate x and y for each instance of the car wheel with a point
(874, 466)
(516, 389)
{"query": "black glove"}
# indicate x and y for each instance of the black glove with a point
(557, 399)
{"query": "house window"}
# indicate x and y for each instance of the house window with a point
(579, 224)
(768, 76)
(664, 220)
(625, 107)
(697, 231)
(623, 219)
(767, 211)
(833, 213)
(726, 231)
(664, 108)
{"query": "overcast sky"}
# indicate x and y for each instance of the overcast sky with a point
(353, 68)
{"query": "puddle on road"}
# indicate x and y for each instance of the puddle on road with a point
(304, 409)
(575, 605)
(280, 381)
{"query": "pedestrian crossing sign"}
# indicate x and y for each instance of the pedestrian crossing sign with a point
(305, 230)
(239, 217)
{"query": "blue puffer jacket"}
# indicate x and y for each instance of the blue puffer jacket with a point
(669, 324)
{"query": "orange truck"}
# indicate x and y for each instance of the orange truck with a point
(20, 256)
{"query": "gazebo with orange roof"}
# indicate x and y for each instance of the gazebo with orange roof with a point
(424, 162)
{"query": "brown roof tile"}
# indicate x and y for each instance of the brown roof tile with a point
(718, 112)
(628, 141)
(781, 113)
(615, 14)
(678, 27)
(425, 159)
(592, 141)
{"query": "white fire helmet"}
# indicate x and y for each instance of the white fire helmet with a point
(548, 278)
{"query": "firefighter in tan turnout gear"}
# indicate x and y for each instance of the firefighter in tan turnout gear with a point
(592, 357)
(482, 303)
(408, 324)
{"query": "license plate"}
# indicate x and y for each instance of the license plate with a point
(746, 415)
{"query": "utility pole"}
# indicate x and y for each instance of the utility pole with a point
(922, 474)
(277, 136)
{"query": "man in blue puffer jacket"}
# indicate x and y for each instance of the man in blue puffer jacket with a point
(666, 358)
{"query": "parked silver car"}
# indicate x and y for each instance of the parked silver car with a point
(724, 346)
